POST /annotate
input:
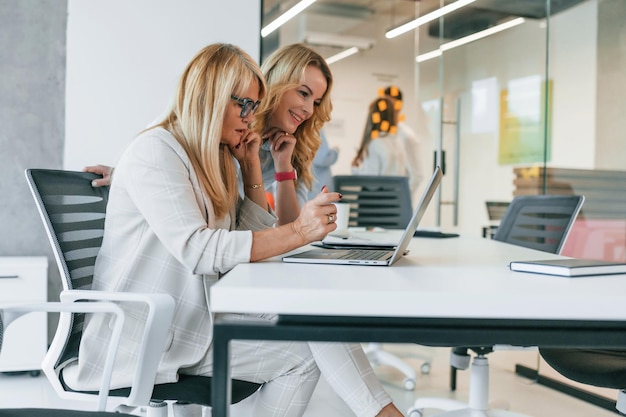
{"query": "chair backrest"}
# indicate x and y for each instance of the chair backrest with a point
(73, 215)
(376, 200)
(496, 209)
(539, 221)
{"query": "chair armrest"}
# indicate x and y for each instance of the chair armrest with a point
(10, 313)
(160, 315)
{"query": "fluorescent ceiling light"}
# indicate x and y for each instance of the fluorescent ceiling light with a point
(413, 24)
(341, 55)
(283, 18)
(470, 38)
(336, 40)
(429, 55)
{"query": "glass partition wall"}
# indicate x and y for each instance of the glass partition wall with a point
(527, 98)
(511, 98)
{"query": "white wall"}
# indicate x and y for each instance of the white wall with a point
(573, 67)
(124, 58)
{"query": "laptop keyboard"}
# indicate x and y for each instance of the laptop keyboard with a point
(363, 254)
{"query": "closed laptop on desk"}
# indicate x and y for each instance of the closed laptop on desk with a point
(369, 256)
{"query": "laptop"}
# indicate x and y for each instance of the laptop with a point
(355, 256)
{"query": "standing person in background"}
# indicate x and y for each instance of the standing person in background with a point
(407, 137)
(324, 159)
(381, 152)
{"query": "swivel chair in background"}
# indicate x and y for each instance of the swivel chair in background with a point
(73, 213)
(539, 222)
(601, 368)
(380, 201)
(376, 200)
(495, 212)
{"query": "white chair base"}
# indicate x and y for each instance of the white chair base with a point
(621, 402)
(175, 409)
(477, 406)
(377, 356)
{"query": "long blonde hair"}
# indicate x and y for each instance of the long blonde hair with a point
(196, 116)
(284, 70)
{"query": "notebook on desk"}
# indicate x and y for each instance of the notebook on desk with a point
(376, 238)
(356, 256)
(356, 237)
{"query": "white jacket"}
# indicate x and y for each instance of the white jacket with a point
(161, 236)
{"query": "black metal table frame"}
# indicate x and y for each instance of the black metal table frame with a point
(430, 332)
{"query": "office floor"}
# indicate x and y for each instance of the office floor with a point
(507, 389)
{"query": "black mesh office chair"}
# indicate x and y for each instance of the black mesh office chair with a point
(380, 201)
(495, 212)
(73, 214)
(376, 200)
(539, 222)
(601, 368)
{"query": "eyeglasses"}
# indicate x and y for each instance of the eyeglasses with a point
(247, 105)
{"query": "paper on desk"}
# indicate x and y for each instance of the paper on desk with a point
(360, 236)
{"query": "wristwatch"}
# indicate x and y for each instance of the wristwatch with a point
(284, 176)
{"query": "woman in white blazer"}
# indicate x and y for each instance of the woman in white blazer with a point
(176, 222)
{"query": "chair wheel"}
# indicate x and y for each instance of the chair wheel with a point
(425, 368)
(415, 412)
(408, 384)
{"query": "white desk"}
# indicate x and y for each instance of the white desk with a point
(445, 292)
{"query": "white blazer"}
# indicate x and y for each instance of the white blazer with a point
(161, 236)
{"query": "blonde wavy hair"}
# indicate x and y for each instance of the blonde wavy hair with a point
(196, 116)
(284, 70)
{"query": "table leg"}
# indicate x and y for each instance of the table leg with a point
(221, 390)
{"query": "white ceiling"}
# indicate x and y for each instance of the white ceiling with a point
(338, 16)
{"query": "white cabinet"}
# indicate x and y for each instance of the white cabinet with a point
(24, 280)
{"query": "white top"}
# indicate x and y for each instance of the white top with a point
(394, 155)
(384, 156)
(439, 278)
(271, 185)
(413, 151)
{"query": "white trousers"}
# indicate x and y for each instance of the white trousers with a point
(290, 371)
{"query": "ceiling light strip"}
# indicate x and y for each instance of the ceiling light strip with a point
(341, 55)
(429, 55)
(283, 18)
(469, 38)
(413, 24)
